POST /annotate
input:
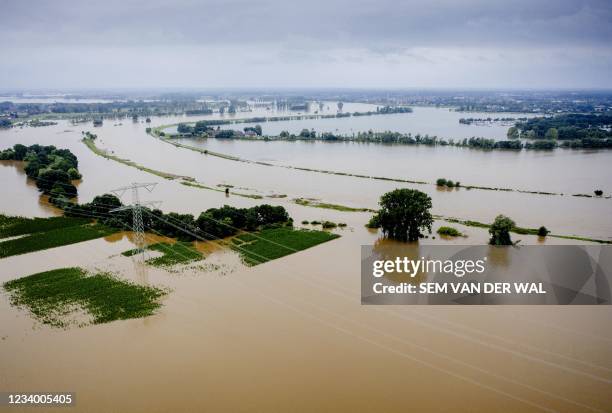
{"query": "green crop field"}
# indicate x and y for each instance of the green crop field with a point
(53, 238)
(269, 244)
(53, 296)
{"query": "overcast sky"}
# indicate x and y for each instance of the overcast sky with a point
(317, 43)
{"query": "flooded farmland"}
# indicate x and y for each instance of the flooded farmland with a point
(561, 171)
(296, 323)
(306, 207)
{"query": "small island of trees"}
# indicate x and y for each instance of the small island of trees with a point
(52, 169)
(403, 214)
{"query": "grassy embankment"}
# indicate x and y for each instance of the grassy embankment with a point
(156, 132)
(54, 297)
(89, 142)
(44, 233)
(173, 254)
(521, 230)
(269, 244)
(336, 207)
(185, 180)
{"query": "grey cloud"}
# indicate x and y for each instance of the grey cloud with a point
(227, 42)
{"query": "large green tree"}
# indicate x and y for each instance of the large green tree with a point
(403, 214)
(500, 230)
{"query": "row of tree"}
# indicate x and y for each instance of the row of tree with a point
(211, 224)
(565, 127)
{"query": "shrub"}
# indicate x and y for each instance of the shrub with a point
(373, 222)
(304, 222)
(598, 192)
(450, 184)
(315, 222)
(329, 224)
(542, 231)
(441, 182)
(449, 231)
(341, 224)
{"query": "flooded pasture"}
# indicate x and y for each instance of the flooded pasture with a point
(291, 334)
(296, 323)
(560, 171)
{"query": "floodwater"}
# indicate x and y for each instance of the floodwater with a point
(291, 335)
(563, 171)
(229, 340)
(440, 122)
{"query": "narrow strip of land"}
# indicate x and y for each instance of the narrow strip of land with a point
(157, 133)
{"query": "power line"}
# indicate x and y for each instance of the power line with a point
(136, 207)
(459, 376)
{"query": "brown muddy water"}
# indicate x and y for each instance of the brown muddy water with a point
(562, 171)
(291, 334)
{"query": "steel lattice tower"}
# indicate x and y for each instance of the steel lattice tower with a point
(136, 207)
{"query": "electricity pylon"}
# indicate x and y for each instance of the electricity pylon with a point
(136, 207)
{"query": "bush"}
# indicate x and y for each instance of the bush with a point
(450, 184)
(542, 231)
(341, 224)
(441, 182)
(304, 222)
(329, 224)
(373, 222)
(449, 231)
(315, 222)
(598, 192)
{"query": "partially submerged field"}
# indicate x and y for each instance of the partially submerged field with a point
(56, 297)
(269, 244)
(42, 233)
(172, 254)
(14, 226)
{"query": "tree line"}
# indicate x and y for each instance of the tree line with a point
(573, 130)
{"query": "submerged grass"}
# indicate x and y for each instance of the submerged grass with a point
(53, 238)
(270, 244)
(177, 253)
(11, 226)
(197, 185)
(317, 204)
(523, 231)
(54, 296)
